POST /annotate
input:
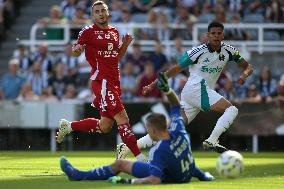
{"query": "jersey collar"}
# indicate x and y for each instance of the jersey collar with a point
(211, 50)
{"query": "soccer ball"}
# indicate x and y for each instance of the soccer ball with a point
(230, 164)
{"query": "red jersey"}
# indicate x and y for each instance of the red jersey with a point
(101, 52)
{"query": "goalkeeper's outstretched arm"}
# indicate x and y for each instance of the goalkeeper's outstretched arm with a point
(173, 98)
(163, 85)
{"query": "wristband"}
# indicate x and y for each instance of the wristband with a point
(170, 90)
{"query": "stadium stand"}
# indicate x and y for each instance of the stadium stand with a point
(147, 24)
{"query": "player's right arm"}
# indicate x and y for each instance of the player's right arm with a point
(79, 46)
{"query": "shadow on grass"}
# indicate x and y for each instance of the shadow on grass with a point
(253, 171)
(56, 180)
(34, 154)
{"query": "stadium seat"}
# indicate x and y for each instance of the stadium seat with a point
(254, 18)
(271, 35)
(205, 18)
(139, 18)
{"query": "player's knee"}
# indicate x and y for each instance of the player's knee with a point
(118, 165)
(105, 128)
(122, 119)
(233, 111)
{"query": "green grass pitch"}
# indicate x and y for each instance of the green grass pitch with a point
(40, 170)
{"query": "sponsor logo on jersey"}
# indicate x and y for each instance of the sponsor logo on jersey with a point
(99, 32)
(211, 70)
(100, 37)
(107, 54)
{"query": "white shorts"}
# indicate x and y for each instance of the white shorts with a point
(196, 97)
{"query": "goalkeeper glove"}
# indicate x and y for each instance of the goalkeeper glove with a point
(119, 180)
(162, 83)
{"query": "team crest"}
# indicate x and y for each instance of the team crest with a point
(206, 61)
(221, 57)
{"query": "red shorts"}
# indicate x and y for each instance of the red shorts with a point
(107, 98)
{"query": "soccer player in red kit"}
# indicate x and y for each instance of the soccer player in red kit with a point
(102, 50)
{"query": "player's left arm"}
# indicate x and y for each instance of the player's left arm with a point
(126, 40)
(246, 71)
(235, 56)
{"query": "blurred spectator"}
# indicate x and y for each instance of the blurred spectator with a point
(86, 93)
(234, 6)
(47, 95)
(189, 4)
(228, 91)
(116, 10)
(164, 32)
(11, 82)
(252, 96)
(158, 58)
(125, 19)
(71, 62)
(83, 71)
(178, 50)
(183, 17)
(147, 77)
(274, 12)
(86, 4)
(38, 78)
(55, 17)
(266, 84)
(59, 81)
(177, 83)
(44, 57)
(282, 77)
(280, 91)
(137, 57)
(203, 38)
(68, 8)
(128, 82)
(254, 7)
(236, 33)
(220, 13)
(80, 17)
(221, 82)
(25, 61)
(142, 6)
(2, 27)
(27, 93)
(206, 9)
(152, 32)
(8, 13)
(70, 92)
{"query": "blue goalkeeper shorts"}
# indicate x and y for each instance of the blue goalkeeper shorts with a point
(141, 170)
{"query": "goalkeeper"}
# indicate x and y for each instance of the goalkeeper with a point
(170, 160)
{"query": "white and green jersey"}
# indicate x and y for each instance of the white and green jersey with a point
(204, 63)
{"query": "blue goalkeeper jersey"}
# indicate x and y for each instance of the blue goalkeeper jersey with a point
(172, 159)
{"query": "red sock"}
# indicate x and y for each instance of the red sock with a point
(86, 125)
(128, 138)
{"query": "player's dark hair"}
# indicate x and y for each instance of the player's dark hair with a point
(215, 24)
(99, 2)
(158, 121)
